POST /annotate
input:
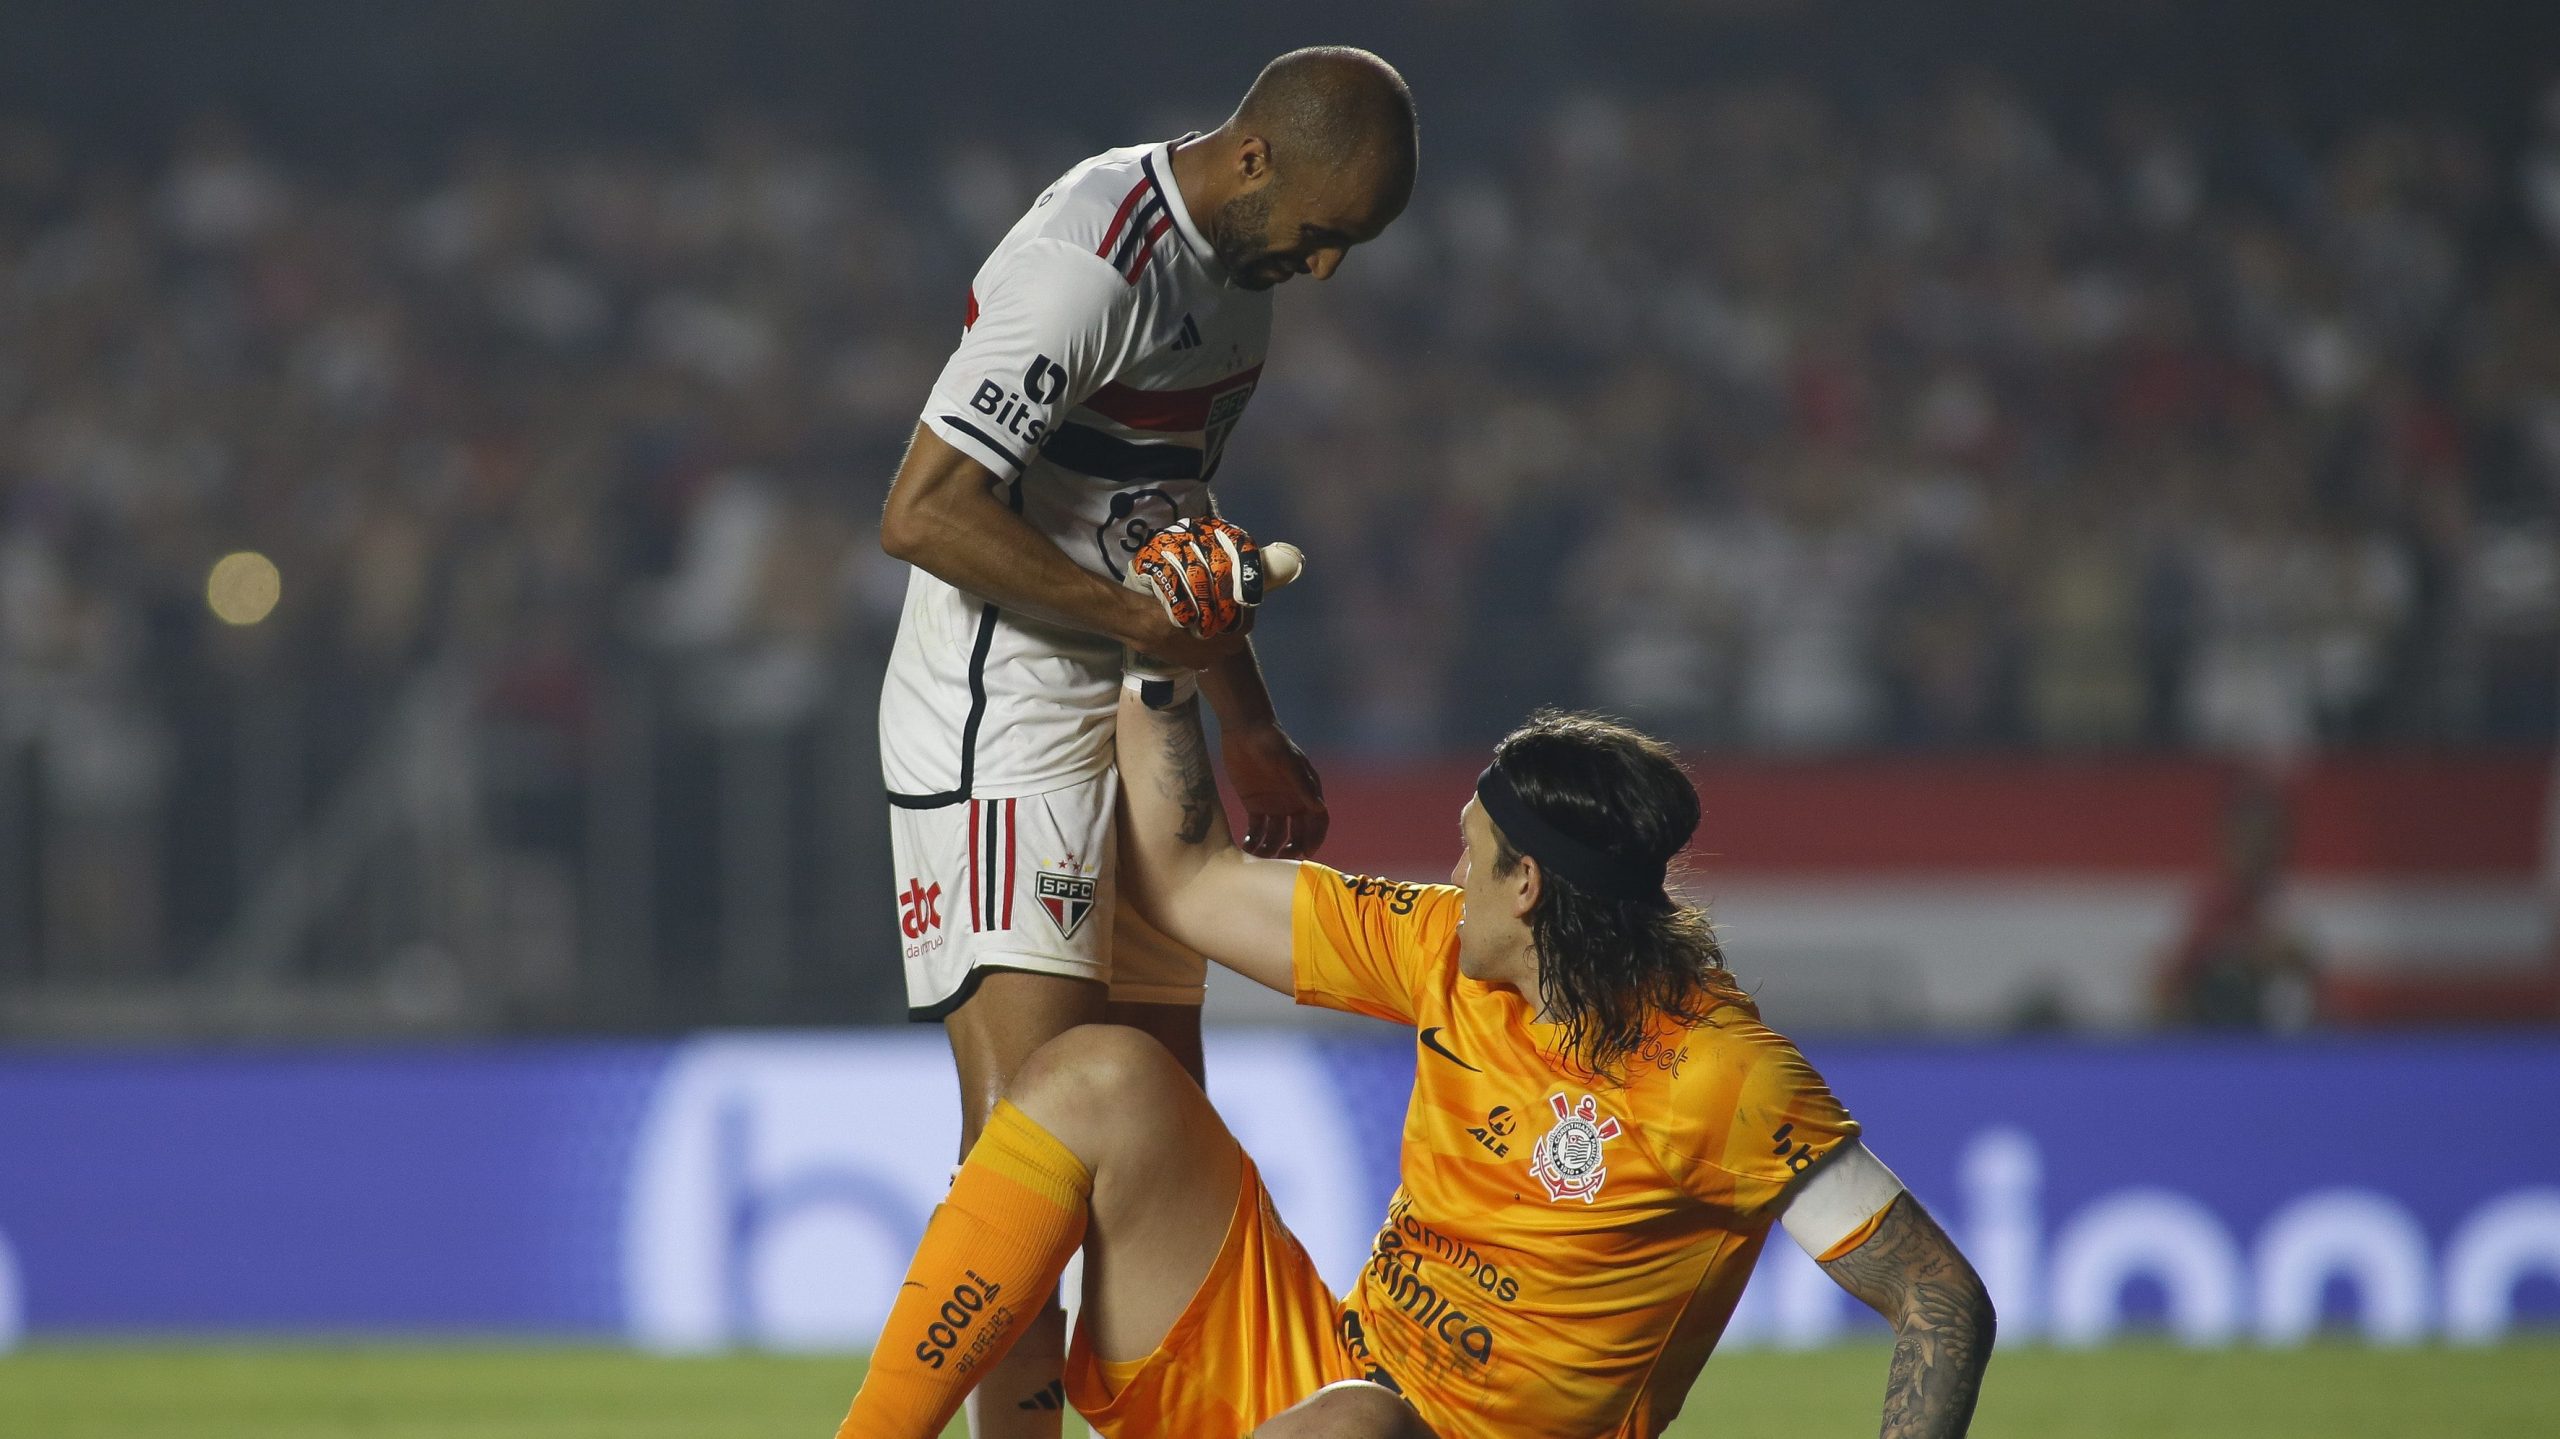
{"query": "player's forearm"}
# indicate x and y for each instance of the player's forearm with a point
(1176, 825)
(982, 547)
(1936, 1374)
(1179, 865)
(1943, 1325)
(942, 519)
(1235, 689)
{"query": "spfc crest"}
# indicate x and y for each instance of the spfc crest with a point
(1224, 411)
(1569, 1158)
(1067, 897)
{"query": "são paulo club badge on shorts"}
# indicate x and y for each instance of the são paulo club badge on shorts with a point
(1568, 1159)
(1066, 898)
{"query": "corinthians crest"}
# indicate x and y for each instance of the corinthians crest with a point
(1568, 1158)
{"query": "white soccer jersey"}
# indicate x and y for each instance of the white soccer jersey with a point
(1104, 362)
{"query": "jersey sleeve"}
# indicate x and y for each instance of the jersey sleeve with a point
(1757, 1119)
(1047, 326)
(1840, 1201)
(1369, 945)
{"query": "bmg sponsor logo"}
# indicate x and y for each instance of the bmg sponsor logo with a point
(1402, 895)
(779, 1188)
(779, 1185)
(2073, 1279)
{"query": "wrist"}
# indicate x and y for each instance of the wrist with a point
(1237, 725)
(1138, 619)
(1241, 704)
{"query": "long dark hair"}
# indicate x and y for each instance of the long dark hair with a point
(1612, 969)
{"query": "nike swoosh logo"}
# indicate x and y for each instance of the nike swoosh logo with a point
(1431, 1041)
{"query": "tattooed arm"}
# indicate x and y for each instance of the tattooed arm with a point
(1179, 865)
(1911, 1273)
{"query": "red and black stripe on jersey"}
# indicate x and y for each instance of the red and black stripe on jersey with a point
(1103, 455)
(1169, 410)
(1142, 219)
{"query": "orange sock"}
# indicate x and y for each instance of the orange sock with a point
(990, 1256)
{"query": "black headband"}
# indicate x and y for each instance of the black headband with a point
(1591, 869)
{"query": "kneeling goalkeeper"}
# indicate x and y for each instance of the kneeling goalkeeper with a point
(1601, 1135)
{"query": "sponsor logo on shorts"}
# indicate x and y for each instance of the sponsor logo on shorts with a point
(919, 909)
(1066, 898)
(920, 918)
(1569, 1159)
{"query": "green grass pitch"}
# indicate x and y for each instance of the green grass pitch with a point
(313, 1392)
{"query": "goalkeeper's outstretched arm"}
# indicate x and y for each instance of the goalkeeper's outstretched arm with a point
(1179, 865)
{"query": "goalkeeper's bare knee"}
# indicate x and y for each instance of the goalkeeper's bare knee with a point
(1350, 1409)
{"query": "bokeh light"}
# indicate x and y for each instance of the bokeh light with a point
(243, 588)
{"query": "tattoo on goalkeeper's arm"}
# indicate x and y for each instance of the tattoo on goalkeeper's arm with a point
(1910, 1272)
(1186, 778)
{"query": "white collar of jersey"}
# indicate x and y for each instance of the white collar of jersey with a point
(1162, 153)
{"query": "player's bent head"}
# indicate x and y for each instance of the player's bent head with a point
(1603, 810)
(1333, 107)
(1326, 150)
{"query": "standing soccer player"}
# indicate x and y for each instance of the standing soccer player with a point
(1112, 341)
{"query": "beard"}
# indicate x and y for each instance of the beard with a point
(1241, 239)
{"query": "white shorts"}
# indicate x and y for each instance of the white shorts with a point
(1025, 883)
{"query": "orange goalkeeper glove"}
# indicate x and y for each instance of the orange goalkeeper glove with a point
(1207, 573)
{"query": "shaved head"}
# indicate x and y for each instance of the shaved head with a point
(1320, 157)
(1334, 107)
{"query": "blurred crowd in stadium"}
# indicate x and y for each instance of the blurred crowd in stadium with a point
(1772, 425)
(1776, 427)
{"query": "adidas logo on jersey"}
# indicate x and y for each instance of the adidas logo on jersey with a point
(1189, 339)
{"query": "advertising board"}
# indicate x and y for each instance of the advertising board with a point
(757, 1190)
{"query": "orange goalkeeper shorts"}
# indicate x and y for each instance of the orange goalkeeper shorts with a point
(1260, 1333)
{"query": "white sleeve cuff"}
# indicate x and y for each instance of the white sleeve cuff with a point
(1158, 689)
(968, 434)
(1843, 1192)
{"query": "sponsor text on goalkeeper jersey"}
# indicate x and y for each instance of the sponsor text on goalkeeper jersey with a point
(1562, 1252)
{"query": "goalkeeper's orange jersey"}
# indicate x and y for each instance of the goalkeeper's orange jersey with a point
(1562, 1252)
